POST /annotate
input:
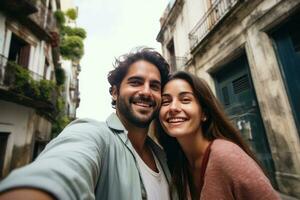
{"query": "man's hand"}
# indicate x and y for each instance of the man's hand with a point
(24, 194)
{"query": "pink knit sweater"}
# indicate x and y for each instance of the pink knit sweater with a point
(232, 174)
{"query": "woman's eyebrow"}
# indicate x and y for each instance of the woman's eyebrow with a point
(165, 95)
(185, 93)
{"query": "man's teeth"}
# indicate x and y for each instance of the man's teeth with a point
(143, 104)
(175, 120)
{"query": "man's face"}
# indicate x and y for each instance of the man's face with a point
(139, 96)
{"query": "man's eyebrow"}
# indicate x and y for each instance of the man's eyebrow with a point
(156, 82)
(135, 78)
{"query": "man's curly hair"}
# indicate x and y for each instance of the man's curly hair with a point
(123, 63)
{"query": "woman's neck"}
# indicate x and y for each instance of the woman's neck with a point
(194, 147)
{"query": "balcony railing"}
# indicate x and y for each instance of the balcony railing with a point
(180, 62)
(3, 64)
(26, 87)
(218, 10)
(177, 63)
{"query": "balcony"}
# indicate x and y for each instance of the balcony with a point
(20, 7)
(44, 21)
(44, 18)
(27, 88)
(177, 63)
(34, 15)
(217, 12)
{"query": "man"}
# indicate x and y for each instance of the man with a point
(105, 160)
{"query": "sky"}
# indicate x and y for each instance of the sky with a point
(114, 27)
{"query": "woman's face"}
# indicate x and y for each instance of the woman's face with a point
(180, 113)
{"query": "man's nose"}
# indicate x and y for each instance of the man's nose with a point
(145, 90)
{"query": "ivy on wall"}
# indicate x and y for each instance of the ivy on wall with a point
(71, 48)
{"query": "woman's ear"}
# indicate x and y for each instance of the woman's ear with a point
(204, 116)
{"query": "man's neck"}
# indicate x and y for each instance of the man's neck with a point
(136, 135)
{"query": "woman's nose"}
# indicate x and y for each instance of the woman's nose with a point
(175, 106)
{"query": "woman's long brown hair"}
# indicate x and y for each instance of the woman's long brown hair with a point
(216, 126)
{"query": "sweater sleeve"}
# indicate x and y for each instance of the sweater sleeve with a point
(236, 175)
(69, 166)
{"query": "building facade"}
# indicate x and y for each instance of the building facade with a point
(249, 53)
(72, 69)
(28, 57)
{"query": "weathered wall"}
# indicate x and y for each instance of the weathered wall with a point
(249, 35)
(24, 125)
(245, 31)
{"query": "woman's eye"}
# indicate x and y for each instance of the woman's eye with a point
(186, 100)
(165, 102)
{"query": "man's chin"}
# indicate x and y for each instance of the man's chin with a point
(142, 120)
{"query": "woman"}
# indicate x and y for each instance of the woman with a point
(206, 154)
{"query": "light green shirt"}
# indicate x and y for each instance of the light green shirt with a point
(88, 160)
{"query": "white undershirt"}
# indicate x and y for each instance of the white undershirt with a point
(155, 183)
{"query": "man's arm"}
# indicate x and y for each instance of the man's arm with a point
(69, 166)
(26, 194)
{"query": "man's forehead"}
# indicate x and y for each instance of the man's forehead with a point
(143, 70)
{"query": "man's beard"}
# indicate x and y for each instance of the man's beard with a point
(130, 116)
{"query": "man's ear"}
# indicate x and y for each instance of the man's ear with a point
(114, 93)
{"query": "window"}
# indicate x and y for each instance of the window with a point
(19, 51)
(39, 146)
(3, 144)
(46, 68)
(172, 58)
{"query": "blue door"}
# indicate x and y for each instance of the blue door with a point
(236, 93)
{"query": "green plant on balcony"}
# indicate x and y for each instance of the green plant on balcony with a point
(60, 17)
(71, 47)
(47, 89)
(71, 38)
(18, 79)
(76, 31)
(71, 14)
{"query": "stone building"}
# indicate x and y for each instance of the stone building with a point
(72, 69)
(28, 58)
(249, 53)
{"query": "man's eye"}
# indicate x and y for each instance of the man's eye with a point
(134, 83)
(155, 87)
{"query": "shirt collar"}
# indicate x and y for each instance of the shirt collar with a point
(114, 122)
